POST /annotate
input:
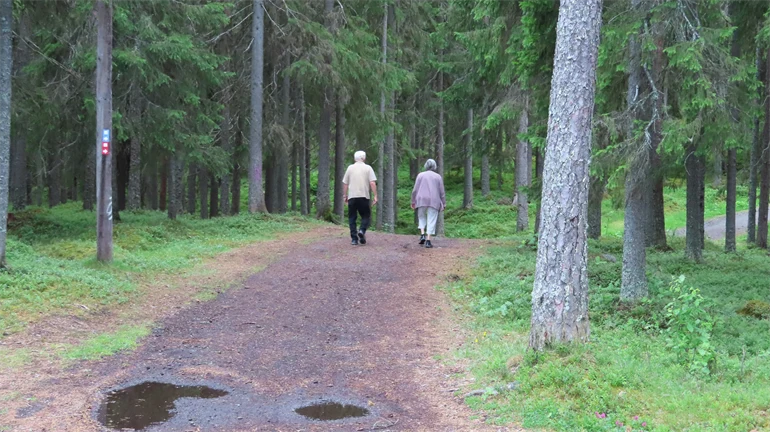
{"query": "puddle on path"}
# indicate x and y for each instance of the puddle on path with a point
(148, 403)
(331, 411)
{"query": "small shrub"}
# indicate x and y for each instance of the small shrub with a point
(690, 328)
(756, 308)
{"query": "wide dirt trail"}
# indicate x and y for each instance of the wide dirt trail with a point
(359, 325)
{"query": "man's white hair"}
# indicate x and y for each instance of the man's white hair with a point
(360, 156)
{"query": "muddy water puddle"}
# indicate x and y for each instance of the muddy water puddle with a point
(331, 411)
(148, 404)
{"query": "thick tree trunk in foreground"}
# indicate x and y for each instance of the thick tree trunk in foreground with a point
(104, 170)
(468, 189)
(256, 192)
(523, 172)
(560, 293)
(6, 60)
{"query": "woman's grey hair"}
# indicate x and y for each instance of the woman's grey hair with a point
(430, 165)
(359, 156)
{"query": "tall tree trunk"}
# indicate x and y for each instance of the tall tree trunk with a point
(499, 158)
(256, 193)
(694, 245)
(716, 180)
(192, 191)
(55, 178)
(18, 164)
(163, 199)
(339, 160)
(380, 215)
(104, 170)
(764, 160)
(214, 199)
(323, 203)
(303, 159)
(40, 180)
(731, 195)
(203, 191)
(656, 231)
(523, 168)
(236, 204)
(633, 285)
(595, 196)
(414, 161)
(227, 146)
(176, 188)
(755, 154)
(294, 163)
(152, 186)
(19, 172)
(6, 60)
(283, 151)
(271, 184)
(89, 178)
(135, 169)
(485, 177)
(440, 140)
(468, 184)
(560, 293)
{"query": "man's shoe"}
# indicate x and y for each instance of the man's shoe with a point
(362, 237)
(428, 245)
(354, 242)
(422, 239)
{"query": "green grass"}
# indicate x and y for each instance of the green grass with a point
(51, 254)
(626, 370)
(107, 344)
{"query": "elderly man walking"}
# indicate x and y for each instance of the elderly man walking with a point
(359, 179)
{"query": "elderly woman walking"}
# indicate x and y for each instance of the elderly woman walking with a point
(429, 199)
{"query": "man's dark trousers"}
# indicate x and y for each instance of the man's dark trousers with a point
(358, 206)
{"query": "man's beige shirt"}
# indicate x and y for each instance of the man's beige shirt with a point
(357, 177)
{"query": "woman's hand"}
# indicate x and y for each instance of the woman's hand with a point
(412, 206)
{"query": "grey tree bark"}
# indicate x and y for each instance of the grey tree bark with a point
(468, 184)
(523, 168)
(256, 191)
(283, 150)
(323, 203)
(388, 183)
(226, 137)
(176, 188)
(656, 223)
(440, 141)
(152, 186)
(203, 190)
(303, 160)
(731, 198)
(135, 169)
(104, 203)
(560, 293)
(764, 160)
(754, 154)
(694, 239)
(633, 285)
(213, 196)
(339, 160)
(6, 62)
(54, 177)
(716, 180)
(595, 195)
(380, 214)
(19, 172)
(192, 189)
